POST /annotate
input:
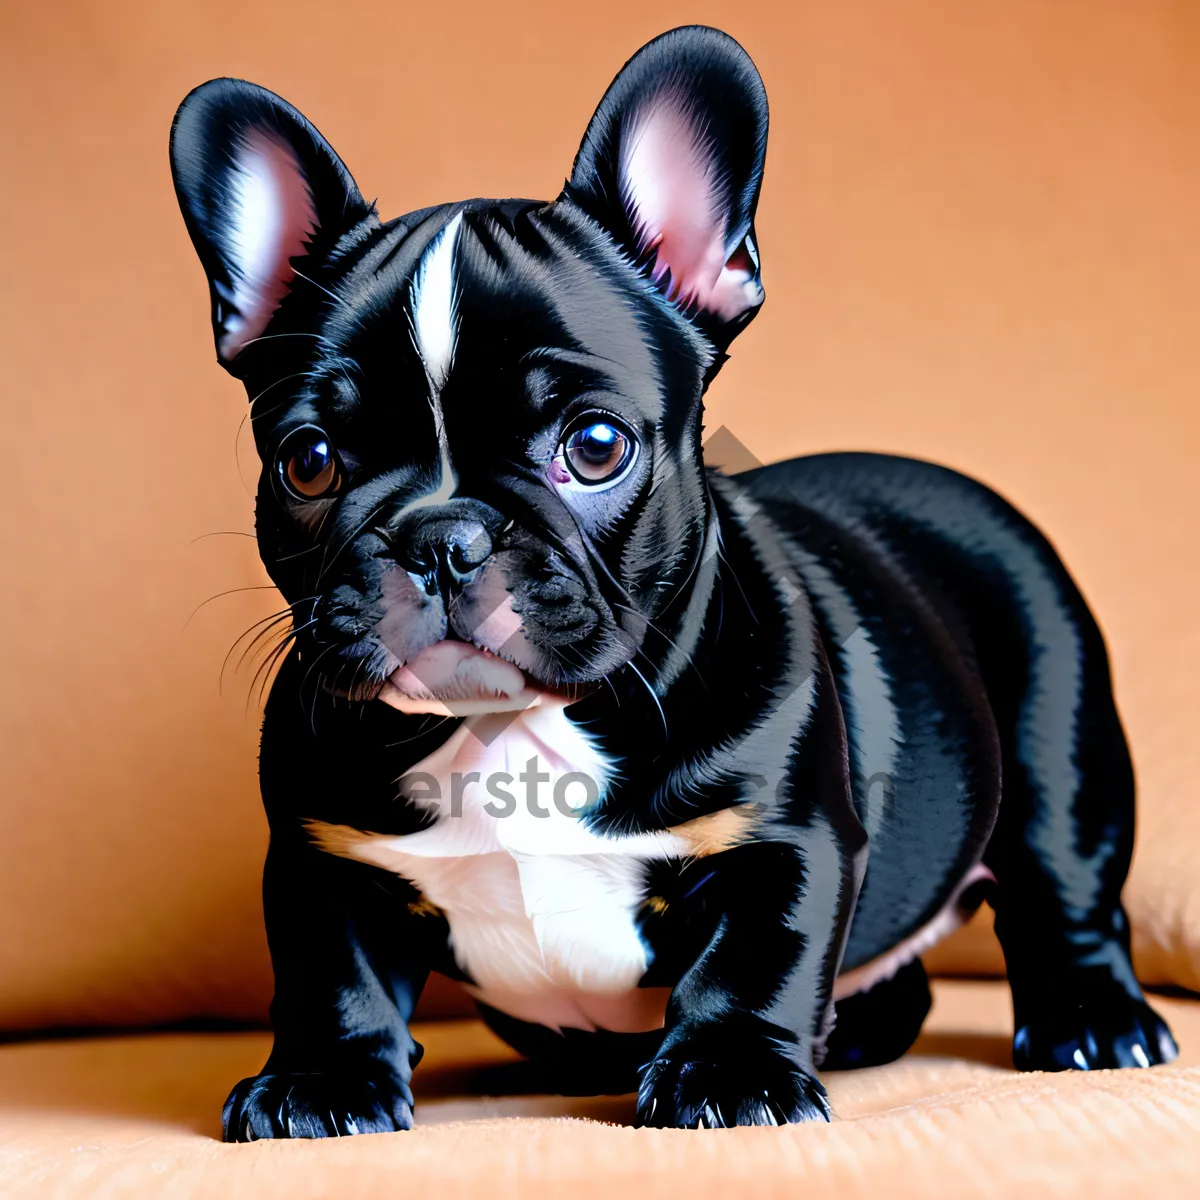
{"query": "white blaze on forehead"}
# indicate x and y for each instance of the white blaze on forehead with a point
(434, 305)
(433, 295)
(272, 216)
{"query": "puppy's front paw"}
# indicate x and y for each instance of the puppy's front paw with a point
(726, 1082)
(314, 1105)
(1103, 1029)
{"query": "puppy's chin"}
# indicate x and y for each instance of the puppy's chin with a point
(457, 679)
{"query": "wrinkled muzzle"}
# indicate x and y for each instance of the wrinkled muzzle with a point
(477, 621)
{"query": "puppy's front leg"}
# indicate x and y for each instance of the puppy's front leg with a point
(745, 1019)
(743, 1022)
(343, 1054)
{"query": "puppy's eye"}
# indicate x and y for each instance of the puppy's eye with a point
(308, 464)
(598, 451)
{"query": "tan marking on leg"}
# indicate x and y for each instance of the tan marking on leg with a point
(343, 840)
(719, 831)
(347, 842)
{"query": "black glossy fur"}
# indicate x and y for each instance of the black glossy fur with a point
(868, 650)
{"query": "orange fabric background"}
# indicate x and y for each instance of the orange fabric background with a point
(981, 241)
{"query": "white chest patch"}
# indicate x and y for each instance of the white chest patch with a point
(541, 909)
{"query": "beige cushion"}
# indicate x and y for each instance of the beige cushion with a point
(136, 1117)
(979, 240)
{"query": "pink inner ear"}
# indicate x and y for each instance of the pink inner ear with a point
(677, 208)
(273, 216)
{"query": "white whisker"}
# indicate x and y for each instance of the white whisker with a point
(653, 696)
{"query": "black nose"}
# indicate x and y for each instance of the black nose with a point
(447, 548)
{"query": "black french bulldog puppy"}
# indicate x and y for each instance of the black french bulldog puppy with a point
(670, 769)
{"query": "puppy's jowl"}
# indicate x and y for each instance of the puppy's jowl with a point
(777, 731)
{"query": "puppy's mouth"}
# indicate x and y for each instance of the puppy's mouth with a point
(458, 679)
(470, 670)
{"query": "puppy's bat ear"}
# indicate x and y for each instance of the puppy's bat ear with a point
(671, 166)
(259, 187)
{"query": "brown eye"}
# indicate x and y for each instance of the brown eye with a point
(308, 465)
(598, 452)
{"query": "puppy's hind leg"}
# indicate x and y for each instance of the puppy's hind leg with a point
(879, 1025)
(1064, 837)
